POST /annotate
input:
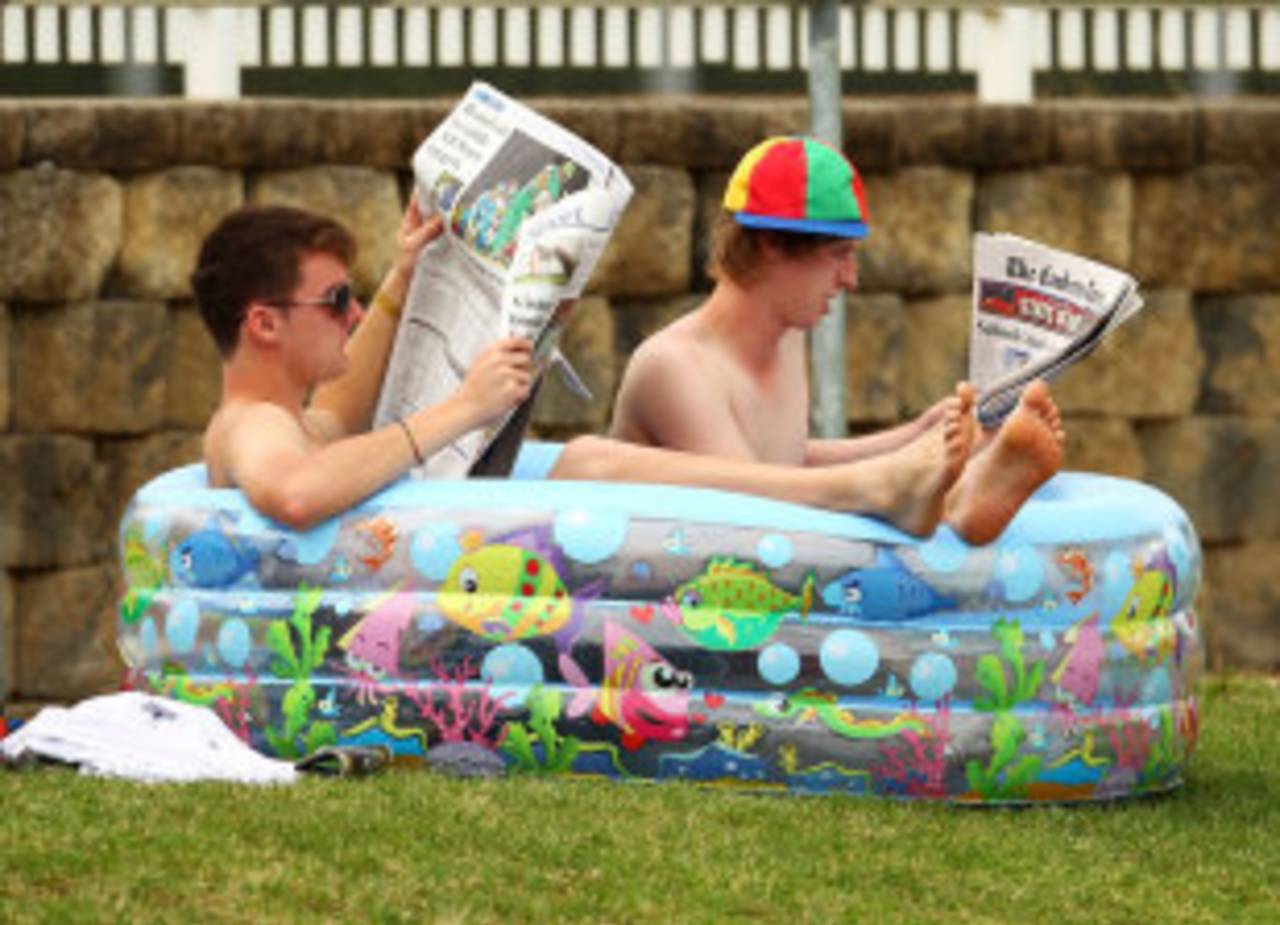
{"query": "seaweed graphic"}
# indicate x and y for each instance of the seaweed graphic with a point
(459, 718)
(558, 752)
(297, 664)
(916, 765)
(1007, 775)
(991, 671)
(740, 738)
(1148, 754)
(134, 604)
(236, 711)
(144, 574)
(1163, 761)
(1008, 681)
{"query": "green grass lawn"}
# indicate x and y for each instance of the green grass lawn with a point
(418, 848)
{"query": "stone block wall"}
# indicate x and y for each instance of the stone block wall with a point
(106, 375)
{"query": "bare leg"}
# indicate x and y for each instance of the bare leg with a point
(1024, 453)
(906, 487)
(909, 486)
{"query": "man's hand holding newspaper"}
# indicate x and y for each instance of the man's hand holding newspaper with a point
(528, 210)
(1036, 310)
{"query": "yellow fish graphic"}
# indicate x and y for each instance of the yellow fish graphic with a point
(504, 592)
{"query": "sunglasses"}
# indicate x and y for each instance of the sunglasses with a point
(338, 301)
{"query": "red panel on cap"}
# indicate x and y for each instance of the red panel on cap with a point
(779, 183)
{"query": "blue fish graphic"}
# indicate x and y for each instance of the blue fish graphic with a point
(209, 559)
(885, 590)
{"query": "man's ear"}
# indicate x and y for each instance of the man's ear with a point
(767, 247)
(261, 323)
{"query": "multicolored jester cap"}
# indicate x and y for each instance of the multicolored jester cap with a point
(798, 184)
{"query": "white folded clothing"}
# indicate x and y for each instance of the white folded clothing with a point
(142, 737)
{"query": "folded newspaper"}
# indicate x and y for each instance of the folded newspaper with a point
(529, 208)
(1036, 310)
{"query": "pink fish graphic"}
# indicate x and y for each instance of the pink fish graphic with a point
(641, 693)
(372, 645)
(1077, 674)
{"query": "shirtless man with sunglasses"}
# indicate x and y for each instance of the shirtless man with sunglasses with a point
(275, 293)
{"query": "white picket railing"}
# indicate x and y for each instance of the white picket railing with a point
(656, 45)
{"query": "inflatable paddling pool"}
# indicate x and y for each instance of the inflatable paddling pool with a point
(649, 632)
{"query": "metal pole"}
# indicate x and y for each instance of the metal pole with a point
(828, 412)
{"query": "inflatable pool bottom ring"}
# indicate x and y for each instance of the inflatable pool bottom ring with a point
(636, 631)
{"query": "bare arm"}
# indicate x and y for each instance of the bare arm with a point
(345, 406)
(300, 479)
(852, 449)
(828, 452)
(667, 399)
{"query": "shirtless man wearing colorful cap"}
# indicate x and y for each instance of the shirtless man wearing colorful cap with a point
(720, 397)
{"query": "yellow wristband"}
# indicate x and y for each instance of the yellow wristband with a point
(384, 303)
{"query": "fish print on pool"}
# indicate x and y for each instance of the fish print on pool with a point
(557, 628)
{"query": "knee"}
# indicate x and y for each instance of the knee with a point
(586, 457)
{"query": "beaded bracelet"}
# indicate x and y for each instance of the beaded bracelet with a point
(413, 444)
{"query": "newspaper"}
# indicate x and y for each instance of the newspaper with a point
(1036, 310)
(529, 208)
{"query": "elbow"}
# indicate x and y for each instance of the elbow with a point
(294, 508)
(298, 515)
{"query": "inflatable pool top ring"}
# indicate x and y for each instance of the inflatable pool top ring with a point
(650, 632)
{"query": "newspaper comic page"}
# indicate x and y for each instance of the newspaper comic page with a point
(1036, 310)
(528, 208)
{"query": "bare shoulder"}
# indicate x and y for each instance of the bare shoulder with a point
(670, 393)
(670, 351)
(660, 367)
(240, 432)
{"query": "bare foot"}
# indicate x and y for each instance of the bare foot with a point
(1025, 452)
(909, 486)
(967, 397)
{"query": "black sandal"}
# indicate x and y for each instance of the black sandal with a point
(346, 761)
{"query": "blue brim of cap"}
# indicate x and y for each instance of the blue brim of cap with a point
(802, 225)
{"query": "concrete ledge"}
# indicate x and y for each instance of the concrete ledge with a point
(103, 135)
(13, 133)
(1239, 132)
(1135, 135)
(964, 134)
(690, 131)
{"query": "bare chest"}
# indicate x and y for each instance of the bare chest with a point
(773, 416)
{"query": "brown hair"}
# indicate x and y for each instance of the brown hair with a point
(736, 250)
(255, 253)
